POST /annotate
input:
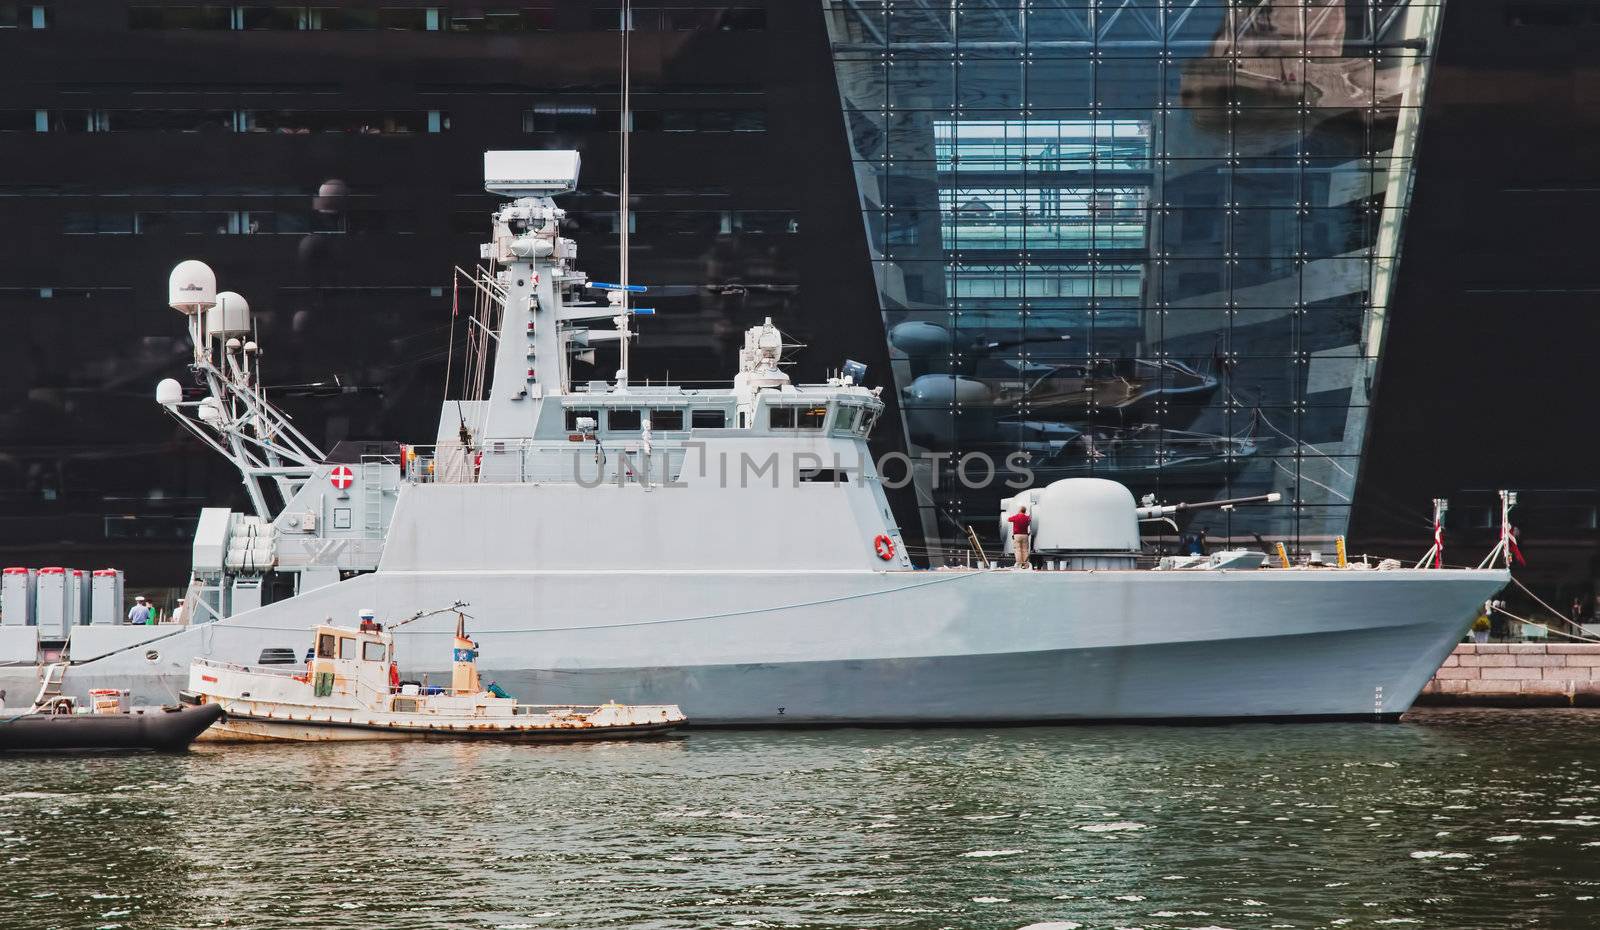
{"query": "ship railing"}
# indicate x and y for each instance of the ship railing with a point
(286, 671)
(459, 463)
(522, 461)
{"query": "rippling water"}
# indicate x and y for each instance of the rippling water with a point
(1453, 820)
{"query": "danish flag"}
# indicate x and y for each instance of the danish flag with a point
(342, 477)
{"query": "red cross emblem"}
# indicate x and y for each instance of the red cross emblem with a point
(342, 477)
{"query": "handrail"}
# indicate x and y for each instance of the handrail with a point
(253, 669)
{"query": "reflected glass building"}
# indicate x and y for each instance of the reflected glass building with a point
(1148, 241)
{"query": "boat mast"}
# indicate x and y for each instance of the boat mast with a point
(620, 296)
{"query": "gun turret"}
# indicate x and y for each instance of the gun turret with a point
(1158, 511)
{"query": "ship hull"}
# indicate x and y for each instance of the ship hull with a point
(918, 648)
(237, 728)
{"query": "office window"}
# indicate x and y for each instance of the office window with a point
(272, 17)
(502, 20)
(24, 16)
(180, 17)
(684, 19)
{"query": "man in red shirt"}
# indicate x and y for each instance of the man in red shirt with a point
(1021, 523)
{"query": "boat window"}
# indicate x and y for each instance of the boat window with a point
(347, 647)
(627, 420)
(373, 652)
(666, 420)
(797, 417)
(844, 418)
(325, 646)
(868, 417)
(573, 416)
(708, 419)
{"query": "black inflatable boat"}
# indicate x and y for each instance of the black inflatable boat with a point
(164, 729)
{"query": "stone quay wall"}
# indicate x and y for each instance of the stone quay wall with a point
(1517, 675)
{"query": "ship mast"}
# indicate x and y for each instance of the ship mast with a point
(619, 297)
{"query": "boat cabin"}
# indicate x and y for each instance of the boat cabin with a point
(353, 661)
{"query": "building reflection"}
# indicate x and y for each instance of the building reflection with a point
(1151, 244)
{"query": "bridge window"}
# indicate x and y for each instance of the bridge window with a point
(573, 416)
(666, 420)
(374, 652)
(347, 647)
(325, 645)
(868, 417)
(797, 417)
(708, 419)
(628, 420)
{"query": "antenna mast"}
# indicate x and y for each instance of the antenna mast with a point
(620, 296)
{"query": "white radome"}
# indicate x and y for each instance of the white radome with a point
(230, 316)
(169, 392)
(192, 287)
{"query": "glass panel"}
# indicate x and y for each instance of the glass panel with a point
(1138, 240)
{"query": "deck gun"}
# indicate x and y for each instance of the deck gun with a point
(1154, 511)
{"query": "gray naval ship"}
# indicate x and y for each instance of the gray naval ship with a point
(730, 550)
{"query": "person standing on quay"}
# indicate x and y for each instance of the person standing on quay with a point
(139, 613)
(1021, 524)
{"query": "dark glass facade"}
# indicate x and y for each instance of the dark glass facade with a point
(326, 160)
(1174, 243)
(1152, 242)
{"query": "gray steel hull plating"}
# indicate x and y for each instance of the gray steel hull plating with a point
(847, 647)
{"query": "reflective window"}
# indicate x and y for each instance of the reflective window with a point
(1150, 242)
(374, 652)
(666, 420)
(708, 419)
(347, 647)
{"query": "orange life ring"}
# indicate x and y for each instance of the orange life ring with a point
(884, 546)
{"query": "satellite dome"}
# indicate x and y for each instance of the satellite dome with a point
(192, 287)
(169, 392)
(229, 317)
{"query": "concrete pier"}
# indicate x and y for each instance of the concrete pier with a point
(1517, 675)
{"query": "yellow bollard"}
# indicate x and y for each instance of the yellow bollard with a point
(1338, 543)
(1283, 555)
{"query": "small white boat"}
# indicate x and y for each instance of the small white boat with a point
(350, 689)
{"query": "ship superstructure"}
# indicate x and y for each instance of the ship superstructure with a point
(731, 550)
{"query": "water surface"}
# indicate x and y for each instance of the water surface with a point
(1453, 819)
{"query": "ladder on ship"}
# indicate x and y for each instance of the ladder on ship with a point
(372, 498)
(50, 688)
